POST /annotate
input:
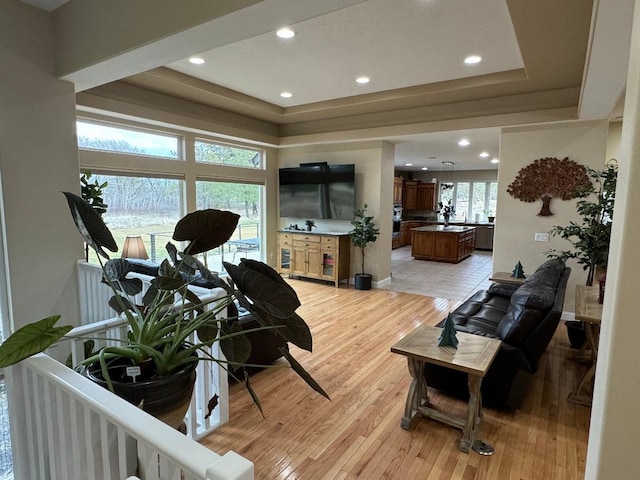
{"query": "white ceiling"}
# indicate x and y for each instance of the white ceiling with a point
(397, 43)
(408, 48)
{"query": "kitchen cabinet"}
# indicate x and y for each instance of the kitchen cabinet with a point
(410, 195)
(314, 255)
(398, 183)
(426, 196)
(443, 244)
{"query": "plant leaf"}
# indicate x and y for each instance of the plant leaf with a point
(254, 397)
(115, 304)
(267, 295)
(205, 229)
(294, 329)
(299, 369)
(208, 332)
(237, 348)
(31, 339)
(115, 271)
(92, 228)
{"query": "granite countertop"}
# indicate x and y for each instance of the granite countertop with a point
(442, 228)
(436, 222)
(314, 232)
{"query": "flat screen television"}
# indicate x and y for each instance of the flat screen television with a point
(317, 191)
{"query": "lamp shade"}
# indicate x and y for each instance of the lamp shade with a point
(134, 248)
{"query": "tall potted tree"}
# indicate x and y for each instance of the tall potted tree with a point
(364, 232)
(590, 238)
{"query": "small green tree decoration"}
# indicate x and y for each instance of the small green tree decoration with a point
(448, 336)
(518, 271)
(592, 235)
(364, 231)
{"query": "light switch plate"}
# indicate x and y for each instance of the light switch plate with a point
(541, 237)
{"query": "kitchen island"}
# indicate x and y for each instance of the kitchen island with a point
(443, 244)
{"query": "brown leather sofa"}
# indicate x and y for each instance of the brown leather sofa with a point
(525, 318)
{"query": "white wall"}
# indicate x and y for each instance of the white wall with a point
(374, 186)
(517, 221)
(615, 415)
(38, 159)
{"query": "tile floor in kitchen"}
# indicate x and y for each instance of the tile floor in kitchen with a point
(436, 279)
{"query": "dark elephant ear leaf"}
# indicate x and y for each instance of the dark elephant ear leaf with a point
(294, 329)
(267, 271)
(88, 222)
(205, 229)
(236, 348)
(272, 297)
(115, 271)
(31, 339)
(118, 301)
(299, 369)
(208, 332)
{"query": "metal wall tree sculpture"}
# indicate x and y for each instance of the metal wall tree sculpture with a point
(548, 178)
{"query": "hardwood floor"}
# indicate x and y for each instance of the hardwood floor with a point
(357, 434)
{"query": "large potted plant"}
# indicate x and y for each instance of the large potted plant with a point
(364, 232)
(591, 236)
(159, 355)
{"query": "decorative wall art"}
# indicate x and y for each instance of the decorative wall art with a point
(548, 178)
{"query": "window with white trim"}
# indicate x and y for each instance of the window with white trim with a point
(148, 191)
(471, 199)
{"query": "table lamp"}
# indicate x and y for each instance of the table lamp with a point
(134, 248)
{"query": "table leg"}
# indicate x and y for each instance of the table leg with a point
(417, 395)
(584, 393)
(474, 413)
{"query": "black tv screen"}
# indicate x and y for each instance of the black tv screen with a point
(317, 191)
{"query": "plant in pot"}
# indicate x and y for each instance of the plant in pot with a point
(591, 236)
(161, 351)
(364, 232)
(93, 193)
(446, 211)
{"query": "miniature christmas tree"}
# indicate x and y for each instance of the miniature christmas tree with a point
(518, 272)
(448, 335)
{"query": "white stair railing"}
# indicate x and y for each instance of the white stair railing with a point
(66, 427)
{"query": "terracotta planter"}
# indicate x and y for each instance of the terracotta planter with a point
(167, 398)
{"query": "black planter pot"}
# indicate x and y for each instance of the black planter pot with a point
(363, 281)
(575, 332)
(167, 398)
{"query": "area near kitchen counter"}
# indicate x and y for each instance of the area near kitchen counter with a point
(484, 232)
(443, 244)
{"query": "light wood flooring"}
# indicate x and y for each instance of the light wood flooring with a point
(357, 434)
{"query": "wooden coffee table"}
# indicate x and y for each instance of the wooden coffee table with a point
(474, 356)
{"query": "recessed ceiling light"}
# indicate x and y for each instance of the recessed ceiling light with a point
(286, 94)
(495, 160)
(425, 168)
(484, 155)
(286, 32)
(408, 164)
(363, 80)
(463, 142)
(196, 60)
(473, 59)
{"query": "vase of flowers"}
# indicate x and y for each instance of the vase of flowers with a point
(446, 211)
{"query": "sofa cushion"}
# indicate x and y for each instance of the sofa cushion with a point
(529, 305)
(480, 314)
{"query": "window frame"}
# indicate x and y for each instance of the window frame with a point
(186, 169)
(469, 210)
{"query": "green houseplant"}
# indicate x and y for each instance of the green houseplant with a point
(364, 232)
(159, 330)
(591, 236)
(93, 193)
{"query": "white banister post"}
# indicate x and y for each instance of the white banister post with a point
(230, 466)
